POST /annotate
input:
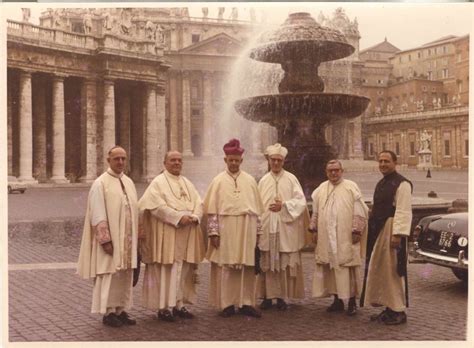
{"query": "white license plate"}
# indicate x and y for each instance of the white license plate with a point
(445, 239)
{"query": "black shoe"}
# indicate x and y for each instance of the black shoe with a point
(266, 304)
(227, 312)
(336, 306)
(182, 313)
(250, 311)
(166, 315)
(281, 304)
(125, 319)
(352, 307)
(112, 320)
(381, 316)
(395, 318)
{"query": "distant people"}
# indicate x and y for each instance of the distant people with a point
(385, 283)
(173, 244)
(108, 252)
(233, 207)
(339, 231)
(284, 224)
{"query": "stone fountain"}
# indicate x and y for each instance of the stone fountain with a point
(301, 110)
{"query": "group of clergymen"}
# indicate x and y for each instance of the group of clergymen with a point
(255, 236)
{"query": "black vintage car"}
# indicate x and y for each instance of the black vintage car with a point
(443, 240)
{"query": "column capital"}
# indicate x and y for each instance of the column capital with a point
(173, 73)
(186, 74)
(89, 81)
(26, 73)
(61, 76)
(108, 81)
(208, 74)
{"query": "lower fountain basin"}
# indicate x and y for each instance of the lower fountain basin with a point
(279, 108)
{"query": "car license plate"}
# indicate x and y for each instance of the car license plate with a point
(445, 239)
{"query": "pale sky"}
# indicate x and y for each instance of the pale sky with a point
(405, 25)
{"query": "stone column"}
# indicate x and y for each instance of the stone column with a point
(187, 151)
(26, 129)
(89, 130)
(39, 130)
(109, 119)
(58, 139)
(174, 143)
(207, 114)
(125, 122)
(10, 127)
(151, 138)
(161, 119)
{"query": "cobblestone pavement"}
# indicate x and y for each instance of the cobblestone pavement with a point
(49, 302)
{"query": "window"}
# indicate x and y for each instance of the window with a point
(399, 59)
(371, 149)
(429, 52)
(419, 55)
(412, 148)
(409, 57)
(466, 147)
(445, 73)
(397, 148)
(430, 75)
(445, 49)
(194, 90)
(460, 86)
(195, 38)
(380, 82)
(447, 144)
(447, 152)
(424, 88)
(459, 57)
(379, 92)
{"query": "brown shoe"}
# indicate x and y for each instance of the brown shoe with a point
(166, 315)
(227, 312)
(336, 306)
(281, 304)
(112, 320)
(250, 311)
(266, 304)
(125, 319)
(351, 307)
(182, 313)
(395, 318)
(380, 317)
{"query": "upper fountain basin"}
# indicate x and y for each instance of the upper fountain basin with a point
(301, 37)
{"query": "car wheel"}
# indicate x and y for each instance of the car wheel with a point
(461, 274)
(9, 189)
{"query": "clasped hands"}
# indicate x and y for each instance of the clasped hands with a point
(276, 207)
(187, 220)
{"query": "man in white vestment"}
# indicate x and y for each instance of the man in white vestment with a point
(284, 223)
(385, 282)
(338, 224)
(173, 244)
(233, 207)
(109, 241)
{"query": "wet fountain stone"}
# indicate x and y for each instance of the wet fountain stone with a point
(301, 110)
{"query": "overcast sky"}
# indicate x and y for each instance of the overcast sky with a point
(405, 25)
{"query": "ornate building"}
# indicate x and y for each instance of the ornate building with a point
(421, 89)
(149, 79)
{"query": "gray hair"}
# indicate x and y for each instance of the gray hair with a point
(335, 161)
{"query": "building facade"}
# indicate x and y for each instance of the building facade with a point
(421, 89)
(149, 79)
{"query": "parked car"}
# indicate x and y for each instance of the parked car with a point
(16, 187)
(443, 240)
